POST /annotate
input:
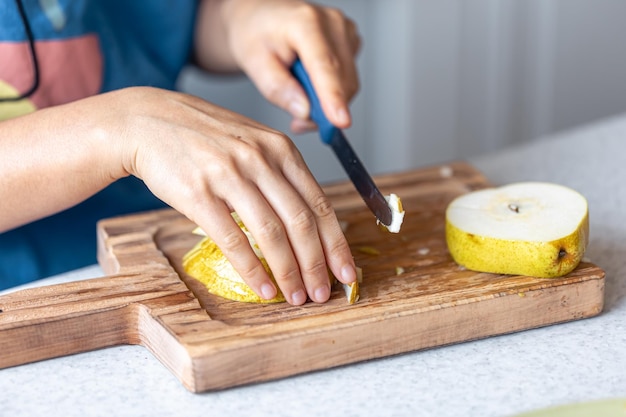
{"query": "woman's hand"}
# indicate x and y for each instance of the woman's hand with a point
(263, 38)
(202, 160)
(207, 161)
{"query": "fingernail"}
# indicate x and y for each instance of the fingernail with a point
(348, 274)
(322, 294)
(299, 108)
(268, 291)
(342, 116)
(298, 297)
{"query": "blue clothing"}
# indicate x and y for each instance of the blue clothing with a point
(140, 42)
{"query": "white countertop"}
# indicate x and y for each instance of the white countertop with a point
(499, 376)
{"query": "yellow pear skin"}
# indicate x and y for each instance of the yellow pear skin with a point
(536, 259)
(531, 228)
(207, 263)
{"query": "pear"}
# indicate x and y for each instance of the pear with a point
(207, 263)
(397, 213)
(535, 229)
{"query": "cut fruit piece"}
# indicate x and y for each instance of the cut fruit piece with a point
(397, 213)
(208, 264)
(532, 228)
(369, 250)
(352, 290)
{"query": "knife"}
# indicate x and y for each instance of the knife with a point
(351, 163)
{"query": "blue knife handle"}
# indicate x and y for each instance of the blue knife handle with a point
(326, 129)
(334, 137)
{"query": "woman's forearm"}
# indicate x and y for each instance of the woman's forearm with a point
(51, 160)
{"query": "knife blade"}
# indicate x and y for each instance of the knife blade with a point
(334, 137)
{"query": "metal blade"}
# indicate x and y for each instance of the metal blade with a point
(360, 178)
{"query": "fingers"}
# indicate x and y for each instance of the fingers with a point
(337, 252)
(275, 82)
(291, 247)
(295, 228)
(311, 228)
(262, 176)
(327, 42)
(222, 162)
(302, 125)
(235, 245)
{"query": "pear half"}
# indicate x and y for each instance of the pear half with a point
(529, 228)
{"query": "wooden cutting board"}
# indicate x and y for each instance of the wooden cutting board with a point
(211, 343)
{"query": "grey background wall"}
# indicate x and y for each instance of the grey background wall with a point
(450, 79)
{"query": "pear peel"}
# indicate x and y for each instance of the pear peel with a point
(531, 228)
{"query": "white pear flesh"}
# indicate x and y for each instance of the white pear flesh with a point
(529, 228)
(397, 213)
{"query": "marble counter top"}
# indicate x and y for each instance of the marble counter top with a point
(499, 376)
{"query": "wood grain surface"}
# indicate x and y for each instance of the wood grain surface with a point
(211, 343)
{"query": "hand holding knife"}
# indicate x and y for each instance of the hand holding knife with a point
(351, 163)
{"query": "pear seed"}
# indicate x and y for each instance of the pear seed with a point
(514, 207)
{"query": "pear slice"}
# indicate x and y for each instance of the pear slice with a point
(208, 264)
(397, 213)
(352, 289)
(529, 228)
